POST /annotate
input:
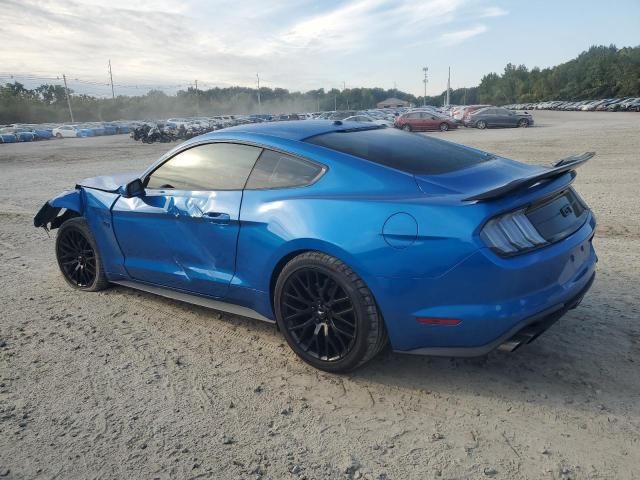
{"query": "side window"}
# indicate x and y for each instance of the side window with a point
(279, 170)
(215, 166)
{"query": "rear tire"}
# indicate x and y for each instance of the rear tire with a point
(78, 257)
(481, 125)
(444, 127)
(407, 128)
(523, 123)
(327, 314)
(58, 135)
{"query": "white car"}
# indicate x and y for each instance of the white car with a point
(178, 122)
(368, 119)
(69, 131)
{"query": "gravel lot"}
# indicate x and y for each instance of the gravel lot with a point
(121, 384)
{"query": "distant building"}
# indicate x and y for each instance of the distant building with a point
(393, 103)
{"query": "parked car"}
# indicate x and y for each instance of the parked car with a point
(424, 121)
(7, 137)
(66, 131)
(21, 134)
(497, 117)
(437, 248)
(369, 119)
(42, 133)
(341, 115)
(468, 110)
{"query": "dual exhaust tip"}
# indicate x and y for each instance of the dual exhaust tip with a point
(524, 336)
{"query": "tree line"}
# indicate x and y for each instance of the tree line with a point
(599, 72)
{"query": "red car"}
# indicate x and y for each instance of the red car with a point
(423, 121)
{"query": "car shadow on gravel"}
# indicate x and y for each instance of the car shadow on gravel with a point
(550, 372)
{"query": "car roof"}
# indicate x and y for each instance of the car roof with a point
(297, 130)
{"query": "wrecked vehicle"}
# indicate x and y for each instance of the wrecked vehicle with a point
(436, 249)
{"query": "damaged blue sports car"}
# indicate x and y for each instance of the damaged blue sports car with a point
(350, 237)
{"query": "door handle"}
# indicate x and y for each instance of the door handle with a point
(218, 217)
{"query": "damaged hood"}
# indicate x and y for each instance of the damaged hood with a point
(109, 183)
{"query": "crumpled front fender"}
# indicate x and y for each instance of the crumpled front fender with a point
(70, 200)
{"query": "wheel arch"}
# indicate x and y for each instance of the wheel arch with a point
(299, 247)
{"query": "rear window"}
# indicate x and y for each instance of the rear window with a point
(409, 152)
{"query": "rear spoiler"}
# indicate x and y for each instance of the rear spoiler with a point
(568, 164)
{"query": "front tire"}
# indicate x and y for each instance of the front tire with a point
(523, 123)
(481, 124)
(58, 135)
(444, 127)
(78, 257)
(407, 128)
(327, 314)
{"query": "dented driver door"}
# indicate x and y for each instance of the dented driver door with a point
(180, 239)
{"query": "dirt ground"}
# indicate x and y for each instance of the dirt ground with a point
(122, 384)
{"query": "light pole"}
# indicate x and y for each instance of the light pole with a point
(259, 103)
(424, 101)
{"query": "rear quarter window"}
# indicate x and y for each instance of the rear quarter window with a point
(409, 152)
(279, 170)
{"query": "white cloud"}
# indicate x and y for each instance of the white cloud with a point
(298, 44)
(454, 38)
(493, 12)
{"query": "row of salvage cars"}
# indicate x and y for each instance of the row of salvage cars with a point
(30, 133)
(625, 104)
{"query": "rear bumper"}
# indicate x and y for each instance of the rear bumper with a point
(520, 334)
(494, 298)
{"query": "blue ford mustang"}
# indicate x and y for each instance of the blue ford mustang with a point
(349, 237)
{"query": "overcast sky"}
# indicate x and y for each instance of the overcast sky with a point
(299, 44)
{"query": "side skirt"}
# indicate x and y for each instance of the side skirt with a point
(195, 300)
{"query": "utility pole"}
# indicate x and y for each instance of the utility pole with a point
(424, 101)
(448, 88)
(259, 103)
(113, 93)
(197, 99)
(66, 90)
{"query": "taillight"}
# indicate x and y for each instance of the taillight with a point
(511, 233)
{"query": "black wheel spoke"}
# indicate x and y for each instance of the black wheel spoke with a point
(308, 303)
(343, 320)
(304, 324)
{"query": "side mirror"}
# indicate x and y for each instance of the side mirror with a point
(134, 188)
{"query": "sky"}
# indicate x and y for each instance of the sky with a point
(297, 44)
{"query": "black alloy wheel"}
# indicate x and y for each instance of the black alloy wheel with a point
(77, 256)
(327, 314)
(523, 122)
(319, 314)
(481, 124)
